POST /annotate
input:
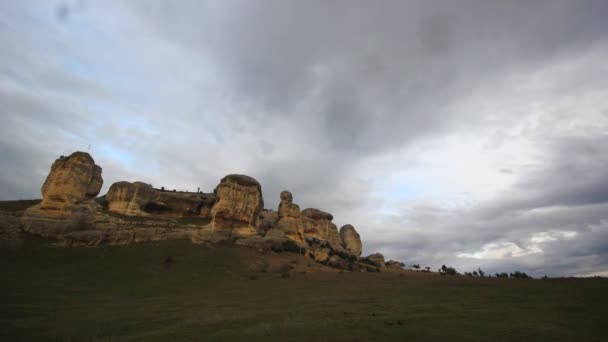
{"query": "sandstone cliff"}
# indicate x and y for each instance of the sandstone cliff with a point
(140, 199)
(239, 202)
(137, 212)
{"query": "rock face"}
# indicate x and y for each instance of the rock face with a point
(267, 220)
(72, 180)
(351, 240)
(235, 212)
(129, 198)
(141, 199)
(377, 259)
(289, 218)
(239, 202)
(67, 197)
(318, 225)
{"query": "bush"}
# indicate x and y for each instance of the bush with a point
(445, 270)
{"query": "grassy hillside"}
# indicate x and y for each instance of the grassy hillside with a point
(180, 291)
(15, 206)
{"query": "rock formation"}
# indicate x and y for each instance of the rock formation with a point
(351, 240)
(289, 218)
(141, 199)
(239, 202)
(377, 259)
(318, 225)
(137, 212)
(72, 180)
(129, 198)
(67, 197)
(267, 220)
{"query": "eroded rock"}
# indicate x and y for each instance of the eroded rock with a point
(72, 180)
(141, 199)
(239, 202)
(318, 225)
(351, 240)
(289, 218)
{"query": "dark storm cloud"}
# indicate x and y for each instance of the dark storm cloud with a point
(387, 73)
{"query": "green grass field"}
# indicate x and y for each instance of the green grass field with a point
(177, 291)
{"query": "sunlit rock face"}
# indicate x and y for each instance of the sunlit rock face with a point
(129, 198)
(351, 240)
(72, 180)
(68, 197)
(318, 225)
(289, 218)
(141, 199)
(239, 203)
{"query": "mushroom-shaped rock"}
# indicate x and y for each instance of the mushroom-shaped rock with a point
(72, 180)
(289, 218)
(351, 240)
(318, 225)
(239, 202)
(129, 198)
(377, 259)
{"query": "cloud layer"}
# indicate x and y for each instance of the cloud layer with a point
(465, 133)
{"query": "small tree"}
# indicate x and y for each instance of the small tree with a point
(481, 273)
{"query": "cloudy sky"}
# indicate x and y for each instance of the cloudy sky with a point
(466, 133)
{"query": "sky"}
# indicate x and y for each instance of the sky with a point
(466, 133)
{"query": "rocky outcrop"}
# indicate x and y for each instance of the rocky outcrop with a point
(67, 197)
(239, 203)
(289, 218)
(72, 180)
(351, 240)
(136, 212)
(129, 198)
(376, 259)
(318, 225)
(141, 199)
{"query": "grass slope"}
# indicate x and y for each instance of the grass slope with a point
(138, 293)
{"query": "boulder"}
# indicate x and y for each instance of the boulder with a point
(376, 259)
(72, 180)
(289, 218)
(318, 225)
(67, 198)
(351, 240)
(129, 198)
(239, 202)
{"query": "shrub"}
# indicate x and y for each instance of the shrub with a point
(445, 270)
